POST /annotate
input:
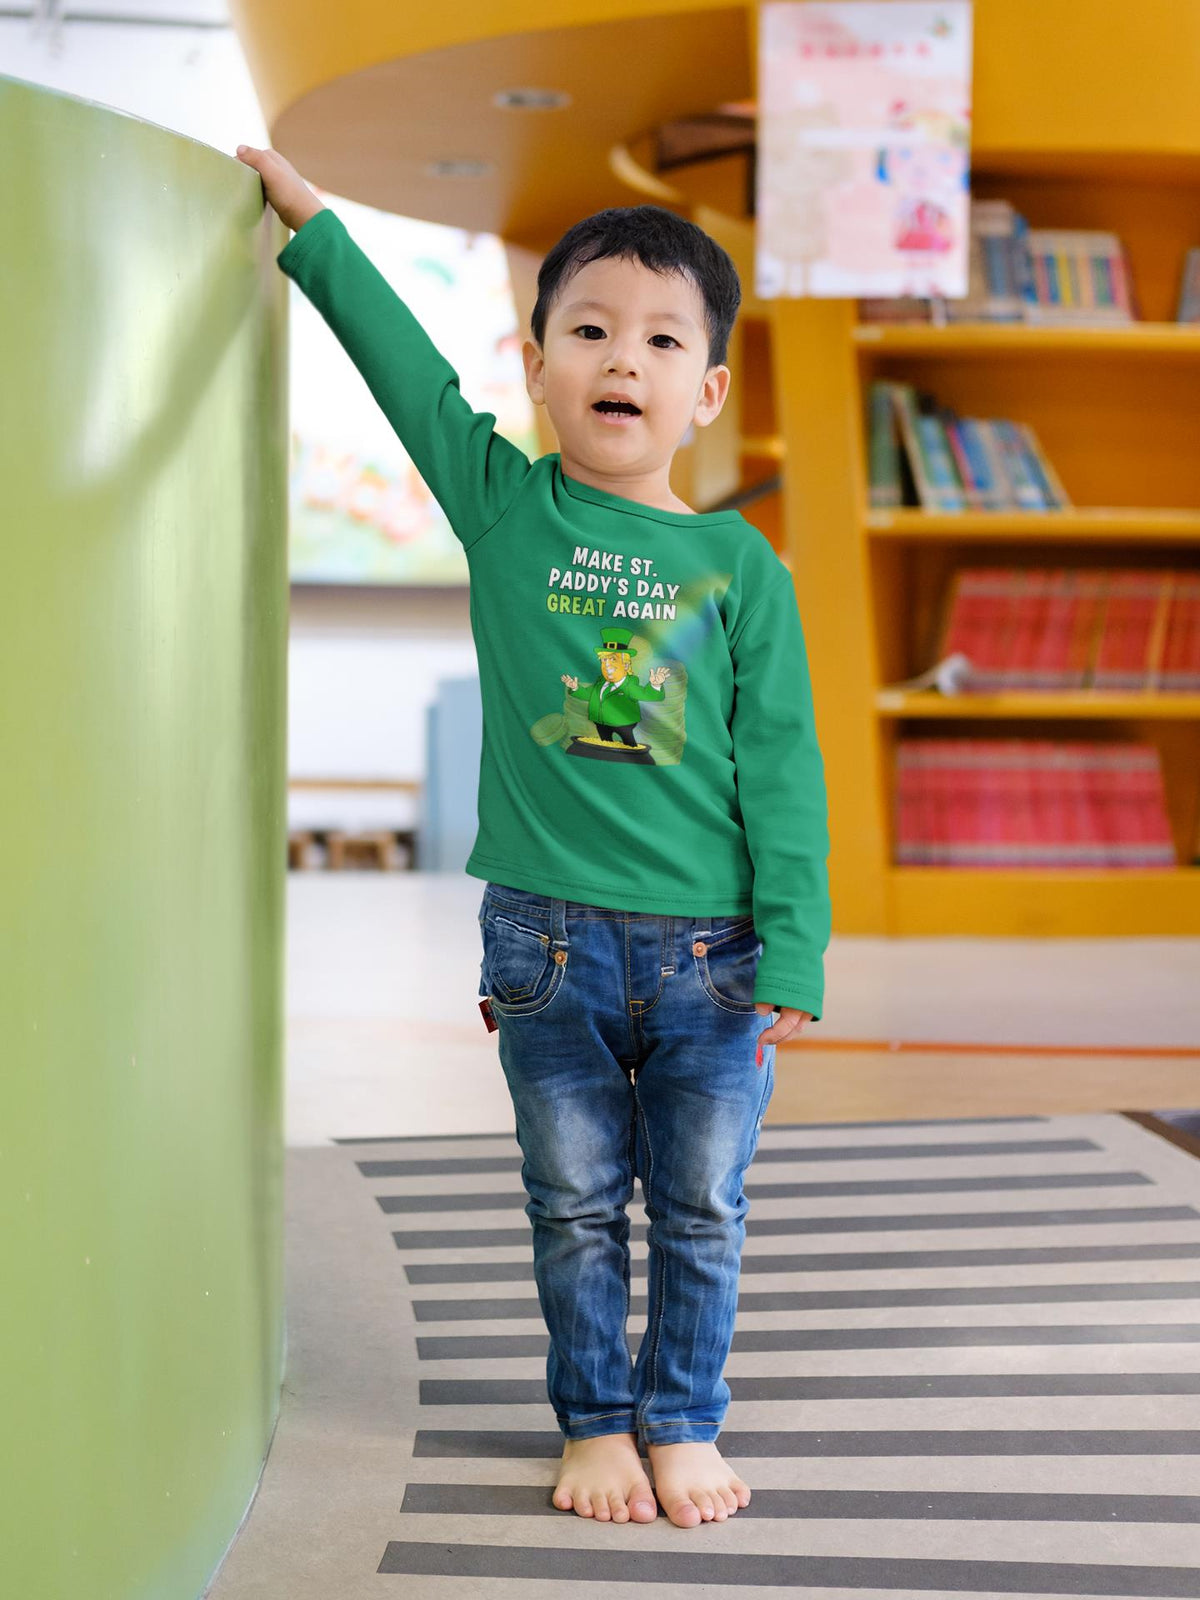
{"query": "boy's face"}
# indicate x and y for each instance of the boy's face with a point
(646, 339)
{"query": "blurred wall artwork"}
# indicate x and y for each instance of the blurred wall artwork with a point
(360, 513)
(863, 148)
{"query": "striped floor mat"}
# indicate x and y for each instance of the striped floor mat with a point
(965, 1363)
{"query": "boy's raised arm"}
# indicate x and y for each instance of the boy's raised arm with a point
(472, 471)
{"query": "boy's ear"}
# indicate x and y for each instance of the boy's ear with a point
(712, 395)
(535, 364)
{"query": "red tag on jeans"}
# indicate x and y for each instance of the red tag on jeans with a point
(486, 1007)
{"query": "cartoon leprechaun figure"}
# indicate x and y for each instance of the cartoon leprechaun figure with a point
(612, 699)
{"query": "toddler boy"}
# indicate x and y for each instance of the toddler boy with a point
(652, 810)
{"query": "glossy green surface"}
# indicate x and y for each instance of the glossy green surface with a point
(143, 631)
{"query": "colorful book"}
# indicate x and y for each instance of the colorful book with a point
(1041, 466)
(1079, 276)
(1189, 288)
(996, 268)
(1026, 488)
(934, 474)
(885, 486)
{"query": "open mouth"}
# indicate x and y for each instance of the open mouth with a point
(617, 413)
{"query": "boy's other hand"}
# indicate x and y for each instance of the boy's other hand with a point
(789, 1022)
(286, 190)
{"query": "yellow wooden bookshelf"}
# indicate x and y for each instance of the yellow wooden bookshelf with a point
(1117, 409)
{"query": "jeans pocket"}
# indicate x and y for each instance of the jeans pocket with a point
(727, 961)
(522, 965)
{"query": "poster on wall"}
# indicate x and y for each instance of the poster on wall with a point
(864, 116)
(359, 511)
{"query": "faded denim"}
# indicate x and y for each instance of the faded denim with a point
(628, 1041)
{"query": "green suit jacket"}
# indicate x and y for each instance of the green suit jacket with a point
(618, 708)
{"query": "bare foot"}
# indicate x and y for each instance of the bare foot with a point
(604, 1478)
(695, 1483)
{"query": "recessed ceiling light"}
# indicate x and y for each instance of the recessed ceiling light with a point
(458, 169)
(531, 99)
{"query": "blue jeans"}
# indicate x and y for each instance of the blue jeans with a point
(629, 1041)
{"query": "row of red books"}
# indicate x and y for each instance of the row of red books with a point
(1070, 628)
(1030, 803)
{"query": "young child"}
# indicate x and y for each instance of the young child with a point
(652, 811)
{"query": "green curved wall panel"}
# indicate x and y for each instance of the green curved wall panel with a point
(143, 635)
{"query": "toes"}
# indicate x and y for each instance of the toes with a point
(608, 1506)
(685, 1514)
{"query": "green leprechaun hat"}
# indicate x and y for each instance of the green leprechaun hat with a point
(615, 639)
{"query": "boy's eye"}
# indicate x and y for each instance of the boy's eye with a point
(591, 325)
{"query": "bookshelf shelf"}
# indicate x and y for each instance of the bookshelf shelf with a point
(1148, 524)
(1045, 703)
(1166, 339)
(1044, 903)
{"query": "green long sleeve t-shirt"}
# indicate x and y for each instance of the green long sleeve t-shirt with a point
(648, 733)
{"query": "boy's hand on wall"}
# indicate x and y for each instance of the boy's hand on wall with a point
(286, 190)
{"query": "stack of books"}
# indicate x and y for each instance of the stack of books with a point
(999, 268)
(1063, 628)
(920, 453)
(1012, 803)
(1045, 276)
(1080, 277)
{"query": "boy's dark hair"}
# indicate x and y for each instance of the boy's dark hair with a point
(660, 240)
